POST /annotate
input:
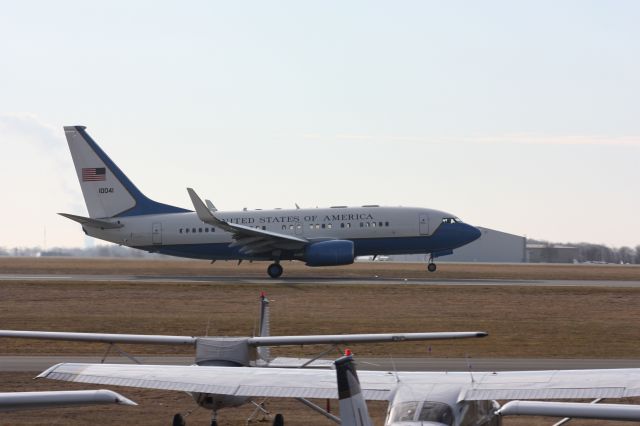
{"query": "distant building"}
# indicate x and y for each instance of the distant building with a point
(492, 247)
(551, 253)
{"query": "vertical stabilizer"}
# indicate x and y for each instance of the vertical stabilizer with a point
(353, 408)
(265, 327)
(107, 191)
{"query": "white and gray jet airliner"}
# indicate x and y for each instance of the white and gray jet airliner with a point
(120, 213)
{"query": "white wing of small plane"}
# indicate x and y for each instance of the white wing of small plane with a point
(252, 341)
(253, 240)
(14, 401)
(375, 385)
(574, 410)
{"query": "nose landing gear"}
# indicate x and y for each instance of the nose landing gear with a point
(431, 267)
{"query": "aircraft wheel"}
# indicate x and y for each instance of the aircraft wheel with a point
(431, 267)
(178, 420)
(278, 420)
(274, 270)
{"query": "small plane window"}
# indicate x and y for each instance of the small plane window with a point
(436, 412)
(403, 412)
(342, 225)
(329, 225)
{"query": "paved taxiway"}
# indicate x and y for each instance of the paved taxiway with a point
(41, 363)
(314, 280)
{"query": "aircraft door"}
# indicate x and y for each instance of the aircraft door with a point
(156, 233)
(424, 224)
(298, 226)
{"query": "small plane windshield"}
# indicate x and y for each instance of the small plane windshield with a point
(404, 412)
(430, 411)
(436, 412)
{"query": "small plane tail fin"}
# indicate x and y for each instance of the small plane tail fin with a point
(353, 408)
(265, 327)
(107, 191)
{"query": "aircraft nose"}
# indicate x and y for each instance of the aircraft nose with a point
(473, 232)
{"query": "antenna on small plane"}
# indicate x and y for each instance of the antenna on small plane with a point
(297, 206)
(395, 370)
(469, 366)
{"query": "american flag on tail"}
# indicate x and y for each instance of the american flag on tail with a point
(93, 174)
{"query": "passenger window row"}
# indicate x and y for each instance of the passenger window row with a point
(373, 224)
(195, 230)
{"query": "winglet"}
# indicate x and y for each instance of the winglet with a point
(204, 214)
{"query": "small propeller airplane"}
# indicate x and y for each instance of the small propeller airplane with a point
(406, 410)
(236, 352)
(415, 398)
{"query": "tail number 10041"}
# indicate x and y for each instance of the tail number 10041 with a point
(105, 190)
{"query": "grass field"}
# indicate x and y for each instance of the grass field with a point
(566, 322)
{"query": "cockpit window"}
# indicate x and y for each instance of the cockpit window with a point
(436, 412)
(451, 220)
(428, 411)
(404, 412)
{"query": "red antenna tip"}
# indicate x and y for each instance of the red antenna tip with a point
(347, 352)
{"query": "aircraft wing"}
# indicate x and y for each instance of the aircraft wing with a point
(573, 410)
(238, 381)
(359, 338)
(13, 401)
(376, 385)
(253, 240)
(100, 337)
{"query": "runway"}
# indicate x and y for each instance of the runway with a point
(373, 280)
(37, 364)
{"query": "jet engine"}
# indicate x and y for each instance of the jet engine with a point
(329, 253)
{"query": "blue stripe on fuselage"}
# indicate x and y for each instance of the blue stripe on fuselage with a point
(446, 237)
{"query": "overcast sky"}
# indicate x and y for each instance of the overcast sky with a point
(518, 116)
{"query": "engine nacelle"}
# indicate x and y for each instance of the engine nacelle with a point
(329, 253)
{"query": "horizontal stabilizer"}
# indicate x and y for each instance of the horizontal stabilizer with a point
(581, 410)
(94, 223)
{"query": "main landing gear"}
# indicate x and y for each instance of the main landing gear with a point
(431, 267)
(274, 270)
